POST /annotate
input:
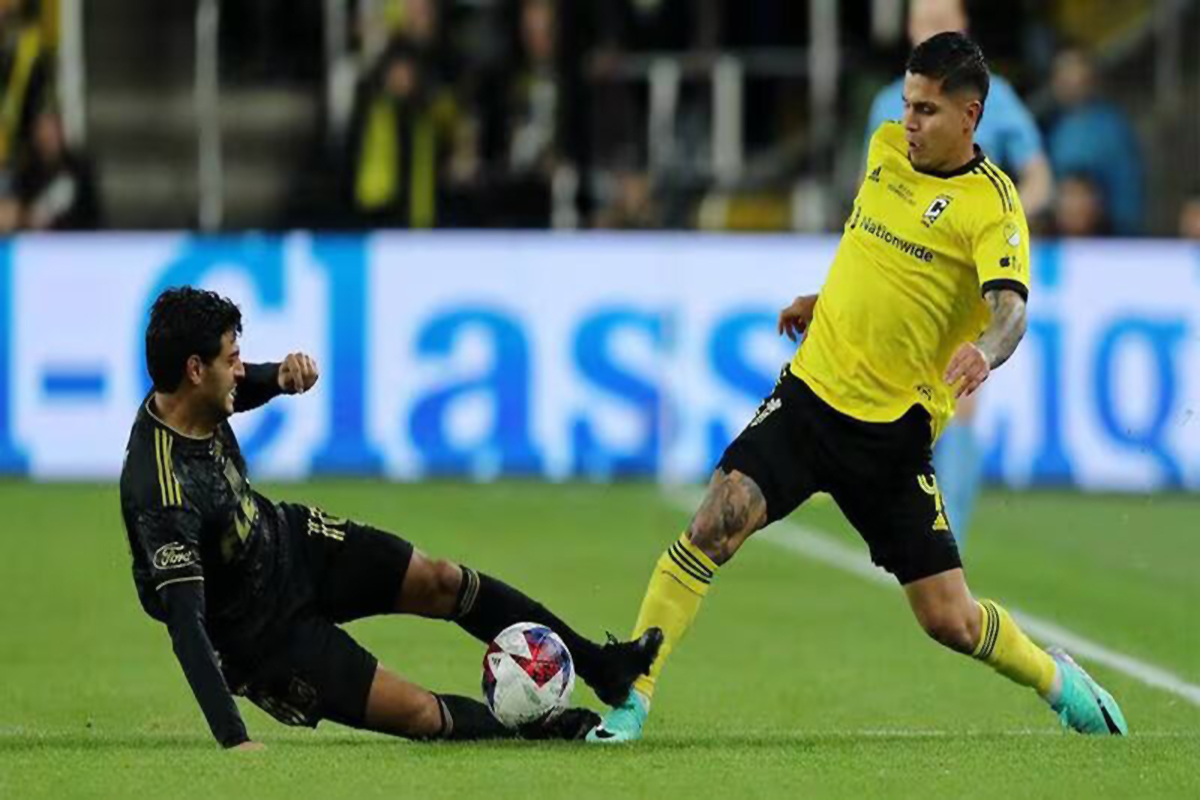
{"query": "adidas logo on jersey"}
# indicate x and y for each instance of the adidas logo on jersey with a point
(874, 177)
(768, 408)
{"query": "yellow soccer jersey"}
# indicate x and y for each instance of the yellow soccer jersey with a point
(906, 286)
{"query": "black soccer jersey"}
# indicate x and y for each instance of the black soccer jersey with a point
(203, 540)
(191, 515)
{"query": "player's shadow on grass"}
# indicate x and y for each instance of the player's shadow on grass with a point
(85, 741)
(812, 741)
(90, 741)
(767, 740)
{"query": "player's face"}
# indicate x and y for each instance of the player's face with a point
(940, 127)
(219, 382)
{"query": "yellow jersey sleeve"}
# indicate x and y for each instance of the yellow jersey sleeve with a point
(1000, 239)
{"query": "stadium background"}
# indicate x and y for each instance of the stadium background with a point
(613, 201)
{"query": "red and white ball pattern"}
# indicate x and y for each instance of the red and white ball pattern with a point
(528, 674)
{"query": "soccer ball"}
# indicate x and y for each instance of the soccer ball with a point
(528, 675)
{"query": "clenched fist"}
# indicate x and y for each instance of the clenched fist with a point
(297, 373)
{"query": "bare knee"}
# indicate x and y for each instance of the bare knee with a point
(423, 720)
(733, 508)
(447, 576)
(952, 628)
(401, 708)
(426, 721)
(430, 587)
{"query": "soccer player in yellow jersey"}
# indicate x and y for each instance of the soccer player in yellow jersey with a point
(925, 297)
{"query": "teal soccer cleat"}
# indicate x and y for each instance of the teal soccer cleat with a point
(623, 723)
(1083, 705)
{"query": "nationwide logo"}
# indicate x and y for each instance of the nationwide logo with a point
(880, 231)
(174, 556)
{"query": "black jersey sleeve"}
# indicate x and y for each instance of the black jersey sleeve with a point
(185, 620)
(260, 385)
(170, 539)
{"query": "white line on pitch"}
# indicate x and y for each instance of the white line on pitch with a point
(819, 547)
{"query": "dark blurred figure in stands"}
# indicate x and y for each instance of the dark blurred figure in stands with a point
(1189, 217)
(1079, 207)
(522, 121)
(54, 185)
(1088, 134)
(421, 23)
(271, 40)
(639, 26)
(25, 80)
(628, 202)
(403, 136)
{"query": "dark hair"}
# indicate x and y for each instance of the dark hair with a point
(186, 322)
(955, 60)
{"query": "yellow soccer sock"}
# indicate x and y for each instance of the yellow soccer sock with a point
(679, 582)
(1010, 652)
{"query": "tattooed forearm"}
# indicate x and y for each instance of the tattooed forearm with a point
(1002, 336)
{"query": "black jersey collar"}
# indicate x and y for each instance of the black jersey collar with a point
(149, 406)
(954, 173)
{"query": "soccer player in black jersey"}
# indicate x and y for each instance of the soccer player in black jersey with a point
(253, 591)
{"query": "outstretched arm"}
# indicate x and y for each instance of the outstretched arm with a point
(170, 538)
(185, 620)
(974, 361)
(296, 374)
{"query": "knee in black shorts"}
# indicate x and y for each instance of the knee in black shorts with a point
(319, 672)
(776, 449)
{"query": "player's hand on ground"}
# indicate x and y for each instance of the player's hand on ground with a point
(571, 725)
(298, 373)
(794, 320)
(249, 746)
(968, 369)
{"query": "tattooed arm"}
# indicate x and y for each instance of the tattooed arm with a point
(974, 361)
(1007, 328)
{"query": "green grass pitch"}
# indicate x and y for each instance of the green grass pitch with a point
(797, 680)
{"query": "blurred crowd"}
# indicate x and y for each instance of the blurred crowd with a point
(532, 117)
(44, 184)
(540, 113)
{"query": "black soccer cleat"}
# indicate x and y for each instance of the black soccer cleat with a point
(569, 726)
(622, 663)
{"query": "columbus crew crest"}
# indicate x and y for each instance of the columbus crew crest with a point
(935, 210)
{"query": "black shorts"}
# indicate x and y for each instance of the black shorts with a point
(313, 669)
(880, 474)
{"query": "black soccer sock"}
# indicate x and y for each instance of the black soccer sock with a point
(487, 606)
(464, 719)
